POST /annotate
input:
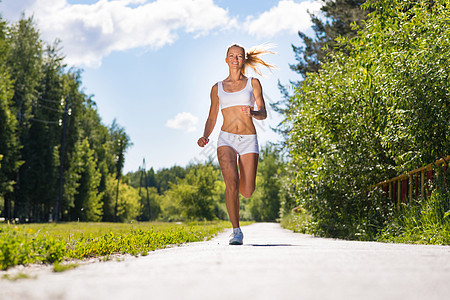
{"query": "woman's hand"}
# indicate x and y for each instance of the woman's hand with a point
(203, 141)
(247, 110)
(257, 114)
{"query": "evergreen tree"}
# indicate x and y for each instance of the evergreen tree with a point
(40, 174)
(24, 63)
(87, 201)
(166, 176)
(338, 20)
(73, 101)
(120, 143)
(36, 94)
(102, 143)
(9, 146)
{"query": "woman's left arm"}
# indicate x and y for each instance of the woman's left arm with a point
(261, 113)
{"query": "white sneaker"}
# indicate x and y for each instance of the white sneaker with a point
(237, 237)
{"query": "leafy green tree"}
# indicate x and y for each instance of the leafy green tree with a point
(74, 101)
(194, 196)
(120, 143)
(340, 18)
(24, 64)
(161, 179)
(40, 172)
(101, 142)
(87, 202)
(36, 92)
(149, 196)
(128, 207)
(166, 176)
(9, 145)
(142, 178)
(377, 108)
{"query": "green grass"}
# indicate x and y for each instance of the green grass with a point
(53, 243)
(300, 222)
(17, 277)
(57, 267)
(426, 221)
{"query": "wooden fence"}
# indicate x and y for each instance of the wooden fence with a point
(410, 186)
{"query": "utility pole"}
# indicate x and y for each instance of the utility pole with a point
(119, 171)
(140, 181)
(61, 162)
(146, 188)
(143, 170)
(139, 191)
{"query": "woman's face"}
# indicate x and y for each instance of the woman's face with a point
(235, 57)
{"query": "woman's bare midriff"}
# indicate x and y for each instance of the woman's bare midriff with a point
(235, 121)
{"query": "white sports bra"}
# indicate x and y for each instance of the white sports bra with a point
(242, 97)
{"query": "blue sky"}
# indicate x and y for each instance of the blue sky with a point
(151, 64)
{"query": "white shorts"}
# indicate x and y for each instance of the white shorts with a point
(242, 144)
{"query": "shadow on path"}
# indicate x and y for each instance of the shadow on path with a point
(271, 245)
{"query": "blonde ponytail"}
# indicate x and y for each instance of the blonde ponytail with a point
(252, 58)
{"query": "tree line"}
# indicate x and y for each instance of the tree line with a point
(372, 103)
(196, 192)
(57, 157)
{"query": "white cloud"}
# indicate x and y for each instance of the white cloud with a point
(91, 32)
(286, 16)
(184, 120)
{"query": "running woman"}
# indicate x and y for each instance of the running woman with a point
(237, 146)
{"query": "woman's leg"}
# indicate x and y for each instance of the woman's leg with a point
(248, 164)
(228, 164)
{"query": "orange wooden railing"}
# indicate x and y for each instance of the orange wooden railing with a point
(410, 186)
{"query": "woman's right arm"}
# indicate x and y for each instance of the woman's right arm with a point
(212, 117)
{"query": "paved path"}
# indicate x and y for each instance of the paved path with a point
(272, 264)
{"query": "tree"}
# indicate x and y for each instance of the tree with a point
(9, 145)
(153, 200)
(128, 206)
(375, 110)
(341, 18)
(37, 93)
(198, 202)
(24, 64)
(87, 202)
(74, 101)
(148, 193)
(194, 196)
(166, 176)
(40, 173)
(120, 142)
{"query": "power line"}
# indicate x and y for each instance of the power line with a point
(44, 121)
(47, 107)
(65, 111)
(51, 101)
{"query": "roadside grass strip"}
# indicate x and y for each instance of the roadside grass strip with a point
(54, 243)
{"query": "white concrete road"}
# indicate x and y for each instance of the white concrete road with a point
(273, 263)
